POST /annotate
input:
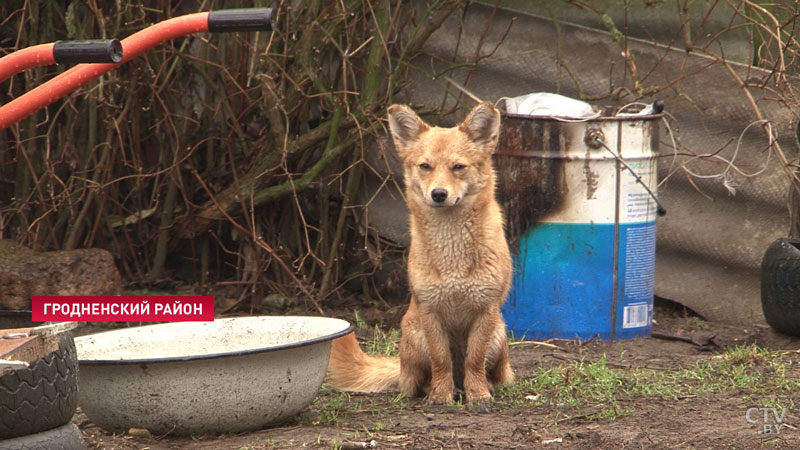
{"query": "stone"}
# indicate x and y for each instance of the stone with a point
(25, 273)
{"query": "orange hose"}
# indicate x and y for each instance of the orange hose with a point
(132, 46)
(27, 58)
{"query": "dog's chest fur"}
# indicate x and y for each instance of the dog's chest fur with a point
(456, 271)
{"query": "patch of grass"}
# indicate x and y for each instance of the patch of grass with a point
(610, 413)
(380, 342)
(749, 368)
(331, 404)
(359, 321)
(512, 338)
(456, 403)
(334, 406)
(600, 392)
(760, 373)
(576, 384)
(696, 323)
(400, 401)
(383, 342)
(380, 426)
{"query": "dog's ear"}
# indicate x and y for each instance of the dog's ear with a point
(406, 127)
(482, 125)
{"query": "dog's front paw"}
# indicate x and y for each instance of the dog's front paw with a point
(440, 398)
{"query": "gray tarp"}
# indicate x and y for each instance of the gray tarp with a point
(709, 244)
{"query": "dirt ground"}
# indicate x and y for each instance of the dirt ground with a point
(684, 410)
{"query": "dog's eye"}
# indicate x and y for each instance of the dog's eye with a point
(459, 167)
(425, 166)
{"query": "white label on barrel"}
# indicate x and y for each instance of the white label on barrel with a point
(640, 261)
(636, 204)
(634, 316)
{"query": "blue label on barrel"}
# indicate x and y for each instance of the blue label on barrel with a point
(564, 282)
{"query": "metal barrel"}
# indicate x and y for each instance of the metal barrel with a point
(581, 214)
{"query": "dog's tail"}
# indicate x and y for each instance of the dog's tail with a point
(350, 369)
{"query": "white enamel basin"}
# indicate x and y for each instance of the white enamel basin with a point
(226, 376)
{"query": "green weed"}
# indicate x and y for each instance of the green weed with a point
(331, 403)
(760, 373)
(380, 342)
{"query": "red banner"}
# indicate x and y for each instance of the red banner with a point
(140, 308)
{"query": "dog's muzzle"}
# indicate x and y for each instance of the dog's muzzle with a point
(439, 195)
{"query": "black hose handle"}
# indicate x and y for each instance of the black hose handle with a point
(249, 19)
(91, 51)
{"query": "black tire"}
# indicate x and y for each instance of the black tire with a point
(42, 396)
(65, 437)
(780, 286)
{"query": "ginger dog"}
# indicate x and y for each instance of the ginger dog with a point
(459, 269)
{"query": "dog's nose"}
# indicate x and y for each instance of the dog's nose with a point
(439, 195)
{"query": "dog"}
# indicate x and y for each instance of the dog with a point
(453, 337)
